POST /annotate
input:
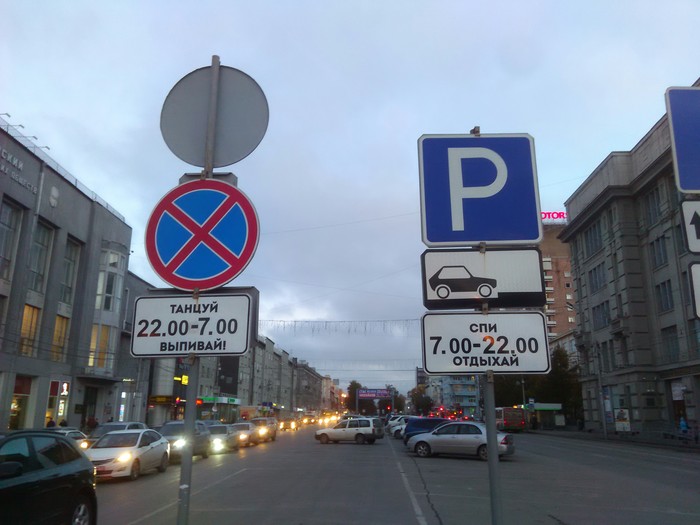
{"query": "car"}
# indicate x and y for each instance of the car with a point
(449, 279)
(360, 430)
(102, 429)
(398, 430)
(288, 424)
(174, 432)
(223, 438)
(270, 423)
(418, 425)
(128, 453)
(248, 434)
(45, 478)
(459, 437)
(71, 432)
(393, 423)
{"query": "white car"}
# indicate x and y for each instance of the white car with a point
(393, 423)
(360, 430)
(127, 453)
(460, 437)
(398, 430)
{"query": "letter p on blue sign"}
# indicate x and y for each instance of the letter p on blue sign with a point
(478, 189)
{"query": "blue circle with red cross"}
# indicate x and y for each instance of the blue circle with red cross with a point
(201, 235)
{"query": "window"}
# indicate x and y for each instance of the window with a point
(30, 324)
(652, 205)
(601, 315)
(102, 345)
(670, 348)
(597, 277)
(592, 239)
(39, 257)
(58, 344)
(9, 227)
(70, 269)
(664, 296)
(657, 250)
(109, 284)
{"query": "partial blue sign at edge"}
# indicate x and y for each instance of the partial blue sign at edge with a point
(683, 108)
(478, 189)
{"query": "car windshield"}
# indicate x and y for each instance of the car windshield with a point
(240, 426)
(259, 422)
(218, 429)
(118, 440)
(173, 429)
(101, 431)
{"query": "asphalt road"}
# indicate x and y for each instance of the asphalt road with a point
(296, 480)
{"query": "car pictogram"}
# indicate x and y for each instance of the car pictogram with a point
(456, 279)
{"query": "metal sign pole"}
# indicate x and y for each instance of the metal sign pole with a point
(492, 447)
(186, 458)
(210, 143)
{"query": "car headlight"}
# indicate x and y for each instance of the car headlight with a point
(243, 437)
(293, 424)
(179, 443)
(218, 444)
(125, 457)
(84, 445)
(262, 431)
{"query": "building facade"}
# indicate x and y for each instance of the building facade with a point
(63, 261)
(637, 335)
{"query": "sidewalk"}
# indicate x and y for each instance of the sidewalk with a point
(658, 439)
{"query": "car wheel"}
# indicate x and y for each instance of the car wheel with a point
(359, 439)
(135, 470)
(483, 453)
(397, 434)
(485, 290)
(82, 512)
(205, 452)
(423, 450)
(323, 439)
(442, 291)
(274, 437)
(163, 463)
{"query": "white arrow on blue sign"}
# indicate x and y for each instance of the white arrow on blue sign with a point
(683, 107)
(479, 188)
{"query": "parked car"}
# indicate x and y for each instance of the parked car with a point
(45, 478)
(393, 423)
(459, 437)
(270, 423)
(174, 432)
(223, 438)
(360, 430)
(458, 279)
(248, 434)
(128, 453)
(418, 425)
(102, 429)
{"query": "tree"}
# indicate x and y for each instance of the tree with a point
(365, 406)
(422, 403)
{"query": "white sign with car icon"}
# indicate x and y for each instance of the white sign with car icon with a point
(468, 278)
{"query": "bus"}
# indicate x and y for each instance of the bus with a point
(510, 419)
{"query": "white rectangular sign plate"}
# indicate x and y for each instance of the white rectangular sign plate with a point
(473, 343)
(503, 278)
(177, 325)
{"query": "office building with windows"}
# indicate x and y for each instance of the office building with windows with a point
(63, 261)
(637, 334)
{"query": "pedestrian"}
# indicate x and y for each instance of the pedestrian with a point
(684, 425)
(63, 423)
(51, 423)
(91, 424)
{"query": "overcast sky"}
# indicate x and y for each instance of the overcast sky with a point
(351, 86)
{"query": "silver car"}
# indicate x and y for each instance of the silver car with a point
(460, 437)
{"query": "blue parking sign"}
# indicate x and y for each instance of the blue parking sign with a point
(683, 107)
(479, 188)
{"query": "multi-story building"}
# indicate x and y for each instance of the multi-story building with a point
(556, 264)
(637, 335)
(63, 260)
